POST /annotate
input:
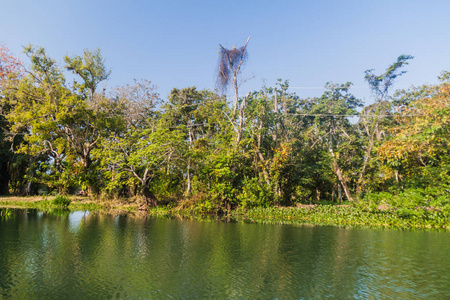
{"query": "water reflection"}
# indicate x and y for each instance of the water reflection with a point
(82, 255)
(76, 217)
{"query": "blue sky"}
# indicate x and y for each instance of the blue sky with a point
(175, 43)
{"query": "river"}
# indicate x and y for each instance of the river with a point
(79, 255)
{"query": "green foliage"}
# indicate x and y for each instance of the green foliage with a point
(91, 68)
(62, 122)
(62, 201)
(255, 194)
(416, 199)
(195, 150)
(380, 84)
(351, 216)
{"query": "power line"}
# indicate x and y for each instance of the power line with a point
(174, 106)
(319, 87)
(317, 115)
(354, 115)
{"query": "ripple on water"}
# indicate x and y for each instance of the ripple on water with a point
(95, 256)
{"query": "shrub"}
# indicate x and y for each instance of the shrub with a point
(255, 194)
(62, 201)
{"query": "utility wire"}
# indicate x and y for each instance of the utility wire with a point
(284, 115)
(354, 115)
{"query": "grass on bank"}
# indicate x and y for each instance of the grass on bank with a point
(66, 202)
(362, 214)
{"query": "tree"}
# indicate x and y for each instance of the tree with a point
(138, 156)
(419, 139)
(10, 66)
(143, 147)
(11, 70)
(230, 63)
(331, 123)
(272, 136)
(372, 115)
(62, 121)
(188, 108)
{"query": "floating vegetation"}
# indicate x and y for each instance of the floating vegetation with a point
(351, 216)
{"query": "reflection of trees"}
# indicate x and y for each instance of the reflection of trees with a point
(38, 253)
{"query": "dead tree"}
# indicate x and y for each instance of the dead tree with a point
(230, 63)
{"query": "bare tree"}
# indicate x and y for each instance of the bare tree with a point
(230, 63)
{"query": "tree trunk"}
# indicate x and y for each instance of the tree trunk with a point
(236, 93)
(342, 180)
(92, 188)
(338, 171)
(277, 124)
(4, 176)
(263, 163)
(191, 145)
(30, 174)
(241, 120)
(188, 188)
(275, 102)
(28, 188)
(149, 198)
(363, 169)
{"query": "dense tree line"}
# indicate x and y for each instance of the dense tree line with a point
(60, 132)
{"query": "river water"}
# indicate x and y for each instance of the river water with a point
(84, 256)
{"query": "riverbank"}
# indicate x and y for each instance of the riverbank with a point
(337, 215)
(76, 203)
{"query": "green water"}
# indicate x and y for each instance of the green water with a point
(84, 256)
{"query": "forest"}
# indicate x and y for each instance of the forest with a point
(62, 133)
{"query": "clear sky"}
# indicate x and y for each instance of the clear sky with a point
(175, 43)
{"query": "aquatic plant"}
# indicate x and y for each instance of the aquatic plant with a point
(351, 216)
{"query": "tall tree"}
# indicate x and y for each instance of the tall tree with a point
(11, 70)
(230, 63)
(135, 106)
(419, 139)
(63, 121)
(184, 109)
(372, 115)
(332, 123)
(144, 146)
